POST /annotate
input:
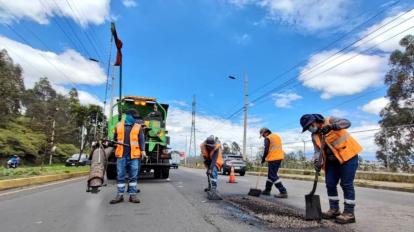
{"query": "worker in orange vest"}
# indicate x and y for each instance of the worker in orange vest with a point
(213, 161)
(273, 155)
(129, 152)
(336, 152)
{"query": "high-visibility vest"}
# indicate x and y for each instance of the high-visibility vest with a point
(133, 137)
(341, 143)
(209, 155)
(275, 148)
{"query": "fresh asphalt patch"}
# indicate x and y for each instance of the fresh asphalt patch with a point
(276, 215)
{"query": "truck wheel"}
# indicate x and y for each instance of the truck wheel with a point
(165, 173)
(242, 173)
(111, 172)
(157, 173)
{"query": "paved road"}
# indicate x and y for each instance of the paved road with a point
(178, 205)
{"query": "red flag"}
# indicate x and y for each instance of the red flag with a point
(118, 43)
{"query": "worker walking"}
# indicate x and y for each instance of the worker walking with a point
(273, 155)
(129, 151)
(212, 154)
(336, 151)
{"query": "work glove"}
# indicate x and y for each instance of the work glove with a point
(317, 165)
(326, 129)
(209, 172)
(144, 155)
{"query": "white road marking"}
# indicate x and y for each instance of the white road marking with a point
(40, 186)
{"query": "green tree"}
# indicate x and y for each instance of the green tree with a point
(11, 88)
(396, 147)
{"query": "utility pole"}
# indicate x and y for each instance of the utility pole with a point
(52, 141)
(304, 147)
(52, 138)
(118, 44)
(246, 106)
(185, 149)
(193, 134)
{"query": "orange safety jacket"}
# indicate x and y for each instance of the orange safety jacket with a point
(275, 148)
(134, 140)
(209, 156)
(341, 143)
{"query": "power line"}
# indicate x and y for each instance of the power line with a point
(293, 79)
(72, 29)
(325, 47)
(76, 14)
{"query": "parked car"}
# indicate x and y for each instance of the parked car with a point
(73, 160)
(234, 160)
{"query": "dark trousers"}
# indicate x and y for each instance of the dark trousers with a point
(273, 178)
(346, 173)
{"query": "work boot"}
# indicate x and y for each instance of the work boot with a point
(345, 218)
(266, 192)
(134, 199)
(281, 195)
(331, 214)
(207, 189)
(117, 199)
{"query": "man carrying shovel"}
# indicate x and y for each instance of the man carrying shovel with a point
(273, 155)
(336, 151)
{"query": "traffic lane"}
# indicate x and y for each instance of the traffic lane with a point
(69, 208)
(383, 210)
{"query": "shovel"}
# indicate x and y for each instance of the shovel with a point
(313, 203)
(255, 192)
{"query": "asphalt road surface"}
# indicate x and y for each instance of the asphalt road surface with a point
(180, 205)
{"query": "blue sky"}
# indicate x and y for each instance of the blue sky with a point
(174, 49)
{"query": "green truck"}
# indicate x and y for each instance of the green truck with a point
(153, 117)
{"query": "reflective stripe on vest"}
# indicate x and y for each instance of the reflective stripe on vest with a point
(275, 148)
(341, 143)
(133, 137)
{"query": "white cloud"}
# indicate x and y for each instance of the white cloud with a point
(60, 68)
(284, 100)
(179, 103)
(179, 125)
(338, 113)
(129, 3)
(344, 74)
(395, 24)
(375, 106)
(310, 15)
(82, 12)
(85, 98)
(243, 39)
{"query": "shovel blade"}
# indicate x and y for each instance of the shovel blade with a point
(313, 207)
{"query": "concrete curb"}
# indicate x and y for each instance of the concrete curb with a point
(402, 187)
(21, 182)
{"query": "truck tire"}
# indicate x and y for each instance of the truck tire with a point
(157, 173)
(165, 173)
(111, 172)
(242, 173)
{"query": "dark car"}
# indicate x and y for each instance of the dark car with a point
(73, 160)
(234, 160)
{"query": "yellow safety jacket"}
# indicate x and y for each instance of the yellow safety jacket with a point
(275, 148)
(134, 140)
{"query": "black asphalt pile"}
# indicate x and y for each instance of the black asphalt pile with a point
(280, 216)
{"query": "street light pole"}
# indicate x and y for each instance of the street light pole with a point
(246, 106)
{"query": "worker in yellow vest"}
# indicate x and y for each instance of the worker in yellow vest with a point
(129, 151)
(336, 152)
(273, 155)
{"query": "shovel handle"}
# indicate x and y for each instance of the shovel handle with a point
(315, 183)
